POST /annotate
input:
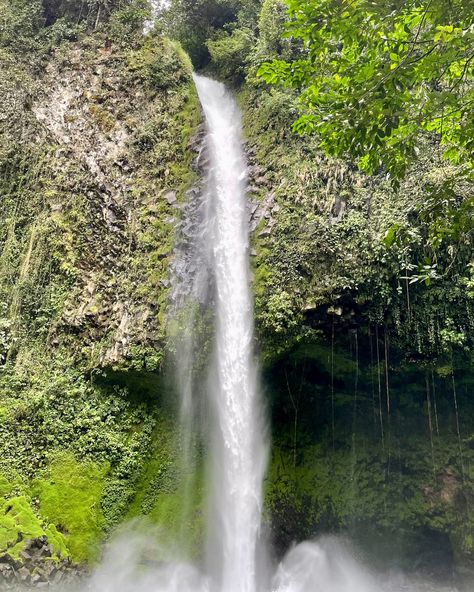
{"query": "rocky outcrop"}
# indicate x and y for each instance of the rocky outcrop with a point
(37, 568)
(109, 197)
(95, 163)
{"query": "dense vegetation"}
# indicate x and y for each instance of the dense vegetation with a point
(359, 140)
(359, 135)
(370, 76)
(94, 132)
(406, 230)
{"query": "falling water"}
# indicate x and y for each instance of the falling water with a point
(238, 447)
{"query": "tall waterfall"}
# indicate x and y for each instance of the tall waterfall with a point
(237, 447)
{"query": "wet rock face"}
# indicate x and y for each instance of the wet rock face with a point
(113, 194)
(263, 206)
(184, 268)
(76, 113)
(36, 568)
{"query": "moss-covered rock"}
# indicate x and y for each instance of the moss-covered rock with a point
(69, 496)
(19, 524)
(375, 448)
(95, 132)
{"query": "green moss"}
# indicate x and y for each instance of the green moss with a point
(468, 544)
(102, 117)
(180, 514)
(388, 478)
(18, 522)
(69, 497)
(320, 353)
(362, 494)
(164, 494)
(11, 484)
(160, 63)
(57, 541)
(158, 474)
(77, 434)
(5, 487)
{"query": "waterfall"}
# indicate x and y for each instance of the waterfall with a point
(211, 273)
(237, 446)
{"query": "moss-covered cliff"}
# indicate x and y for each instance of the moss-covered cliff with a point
(363, 294)
(365, 330)
(368, 372)
(94, 156)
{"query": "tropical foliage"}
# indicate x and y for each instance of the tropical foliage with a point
(371, 75)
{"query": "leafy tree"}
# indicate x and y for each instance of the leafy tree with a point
(24, 24)
(20, 21)
(193, 22)
(373, 74)
(248, 15)
(95, 11)
(229, 53)
(271, 41)
(271, 27)
(128, 21)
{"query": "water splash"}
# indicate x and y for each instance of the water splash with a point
(327, 565)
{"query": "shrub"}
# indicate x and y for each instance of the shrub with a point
(128, 22)
(20, 21)
(192, 23)
(229, 53)
(160, 63)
